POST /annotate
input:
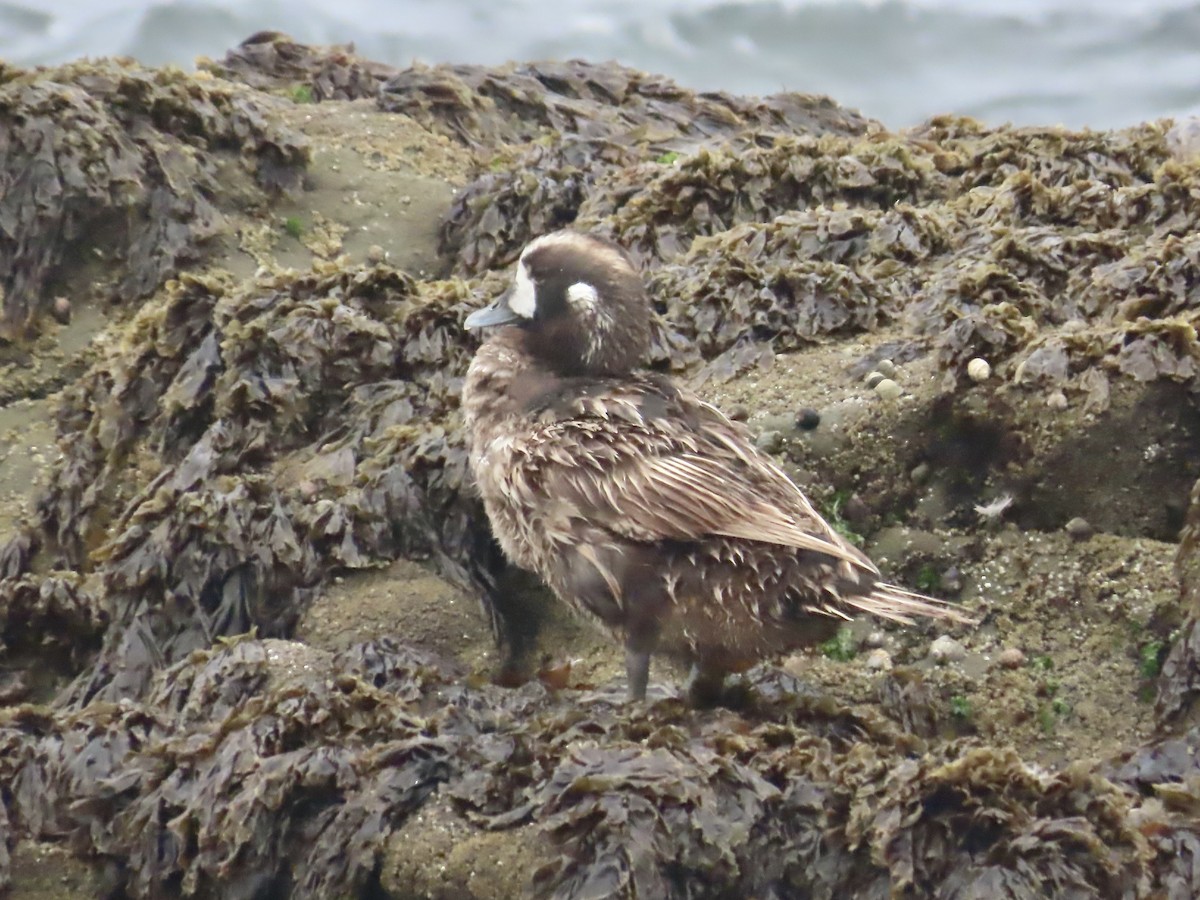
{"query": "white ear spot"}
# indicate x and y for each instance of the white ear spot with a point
(523, 299)
(582, 294)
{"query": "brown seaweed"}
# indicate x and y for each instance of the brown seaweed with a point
(281, 768)
(245, 440)
(270, 60)
(122, 159)
(521, 102)
(285, 414)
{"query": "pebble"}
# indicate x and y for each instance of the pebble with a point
(61, 310)
(951, 580)
(920, 473)
(1080, 528)
(739, 412)
(875, 638)
(888, 389)
(808, 419)
(873, 379)
(1011, 658)
(769, 442)
(946, 650)
(1056, 400)
(979, 369)
(879, 659)
(375, 254)
(855, 510)
(886, 368)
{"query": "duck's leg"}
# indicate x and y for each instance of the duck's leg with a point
(639, 645)
(637, 670)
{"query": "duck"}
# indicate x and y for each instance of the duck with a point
(639, 504)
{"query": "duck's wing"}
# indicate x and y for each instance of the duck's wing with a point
(649, 462)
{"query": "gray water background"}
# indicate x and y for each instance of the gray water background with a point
(1098, 63)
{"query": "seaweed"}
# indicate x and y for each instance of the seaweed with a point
(1179, 680)
(520, 102)
(288, 426)
(270, 60)
(538, 192)
(246, 768)
(794, 804)
(582, 135)
(657, 211)
(242, 441)
(55, 614)
(123, 159)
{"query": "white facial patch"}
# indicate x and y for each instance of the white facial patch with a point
(582, 296)
(584, 299)
(523, 299)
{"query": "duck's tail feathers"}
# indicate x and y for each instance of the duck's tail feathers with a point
(890, 601)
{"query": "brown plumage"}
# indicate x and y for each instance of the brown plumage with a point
(637, 502)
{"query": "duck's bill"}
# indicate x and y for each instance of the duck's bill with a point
(498, 313)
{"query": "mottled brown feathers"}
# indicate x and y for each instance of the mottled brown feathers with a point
(637, 502)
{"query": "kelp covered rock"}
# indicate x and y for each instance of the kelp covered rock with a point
(287, 425)
(240, 440)
(267, 766)
(1067, 252)
(1177, 694)
(125, 161)
(580, 122)
(270, 60)
(250, 767)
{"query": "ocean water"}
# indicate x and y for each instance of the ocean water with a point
(1098, 63)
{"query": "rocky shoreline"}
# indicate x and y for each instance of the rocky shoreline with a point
(242, 649)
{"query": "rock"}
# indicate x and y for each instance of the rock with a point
(951, 580)
(979, 369)
(855, 510)
(769, 442)
(873, 379)
(879, 660)
(875, 638)
(1011, 658)
(947, 650)
(61, 310)
(807, 419)
(1080, 528)
(888, 389)
(1056, 400)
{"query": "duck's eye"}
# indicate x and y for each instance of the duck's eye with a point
(523, 299)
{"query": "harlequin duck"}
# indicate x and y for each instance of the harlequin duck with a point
(638, 503)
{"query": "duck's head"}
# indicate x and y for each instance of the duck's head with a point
(580, 304)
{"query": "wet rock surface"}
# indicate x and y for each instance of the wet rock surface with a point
(242, 650)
